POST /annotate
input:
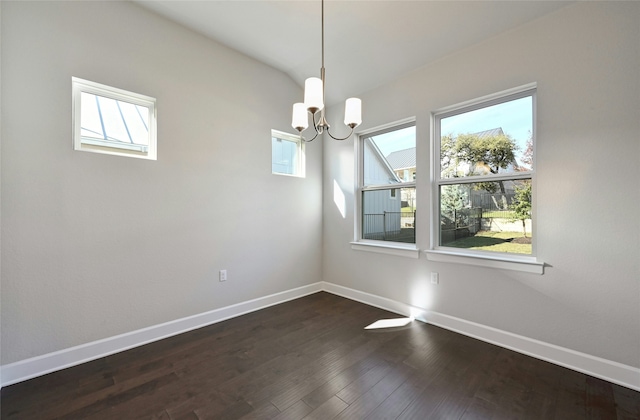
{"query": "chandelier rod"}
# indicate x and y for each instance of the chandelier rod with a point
(322, 31)
(322, 125)
(322, 68)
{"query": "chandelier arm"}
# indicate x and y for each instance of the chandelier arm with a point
(315, 127)
(340, 139)
(310, 140)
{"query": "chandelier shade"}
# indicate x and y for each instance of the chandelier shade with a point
(313, 94)
(353, 112)
(300, 120)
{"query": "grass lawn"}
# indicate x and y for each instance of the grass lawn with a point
(494, 241)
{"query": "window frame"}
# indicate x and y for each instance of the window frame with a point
(300, 167)
(436, 252)
(79, 86)
(372, 245)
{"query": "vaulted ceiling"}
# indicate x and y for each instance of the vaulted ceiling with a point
(367, 43)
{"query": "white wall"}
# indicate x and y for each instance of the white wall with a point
(585, 59)
(95, 245)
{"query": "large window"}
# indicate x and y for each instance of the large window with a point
(113, 121)
(287, 154)
(387, 189)
(484, 170)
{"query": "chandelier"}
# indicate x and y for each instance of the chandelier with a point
(314, 104)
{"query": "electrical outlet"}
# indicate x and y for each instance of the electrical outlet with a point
(435, 278)
(223, 275)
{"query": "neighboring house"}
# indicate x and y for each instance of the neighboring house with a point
(380, 208)
(403, 163)
(378, 171)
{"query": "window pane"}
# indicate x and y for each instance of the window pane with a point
(286, 154)
(389, 215)
(390, 158)
(490, 140)
(112, 120)
(136, 118)
(488, 216)
(91, 123)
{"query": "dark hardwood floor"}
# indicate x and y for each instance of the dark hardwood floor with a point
(312, 359)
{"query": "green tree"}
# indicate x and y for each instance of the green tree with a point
(448, 162)
(453, 198)
(483, 154)
(521, 205)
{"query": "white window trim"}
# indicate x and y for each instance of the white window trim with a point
(385, 247)
(382, 247)
(493, 260)
(96, 145)
(518, 262)
(300, 170)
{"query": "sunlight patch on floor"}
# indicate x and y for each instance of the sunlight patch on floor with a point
(388, 323)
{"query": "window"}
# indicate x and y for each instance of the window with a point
(483, 174)
(387, 189)
(287, 154)
(113, 121)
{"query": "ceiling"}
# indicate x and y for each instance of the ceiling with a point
(367, 43)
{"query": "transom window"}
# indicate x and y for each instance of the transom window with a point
(387, 189)
(287, 154)
(113, 121)
(484, 171)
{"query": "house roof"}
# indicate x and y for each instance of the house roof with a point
(489, 133)
(400, 159)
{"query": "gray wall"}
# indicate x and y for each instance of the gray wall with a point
(96, 245)
(585, 59)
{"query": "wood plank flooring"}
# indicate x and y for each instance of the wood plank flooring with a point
(312, 359)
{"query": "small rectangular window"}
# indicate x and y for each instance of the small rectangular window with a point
(387, 189)
(484, 164)
(113, 121)
(287, 154)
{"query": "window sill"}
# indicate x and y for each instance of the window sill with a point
(288, 175)
(517, 263)
(387, 248)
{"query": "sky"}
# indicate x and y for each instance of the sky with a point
(396, 140)
(514, 117)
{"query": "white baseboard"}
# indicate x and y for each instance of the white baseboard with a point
(617, 373)
(51, 362)
(627, 376)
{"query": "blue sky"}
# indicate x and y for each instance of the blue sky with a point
(514, 117)
(396, 140)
